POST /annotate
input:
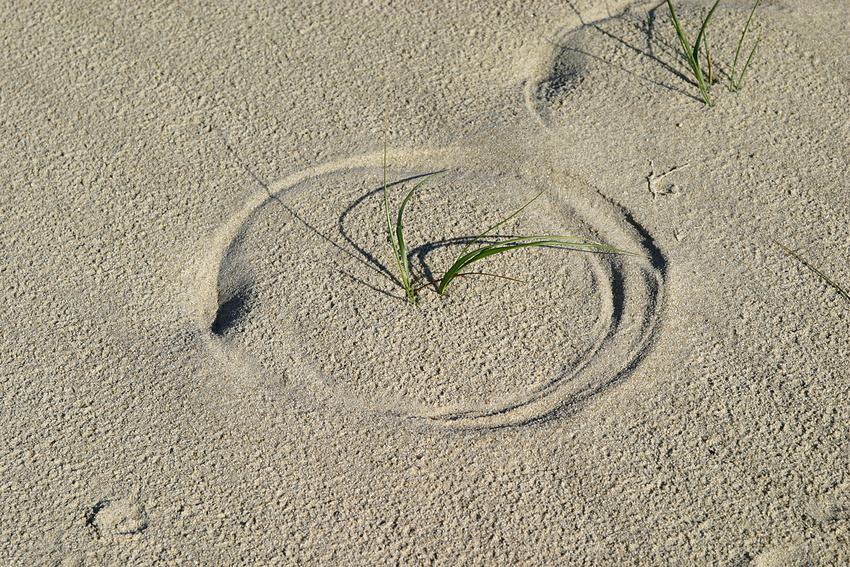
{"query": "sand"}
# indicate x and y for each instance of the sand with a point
(207, 358)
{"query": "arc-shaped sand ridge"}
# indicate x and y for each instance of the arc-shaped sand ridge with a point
(304, 289)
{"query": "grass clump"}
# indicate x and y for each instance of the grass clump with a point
(692, 53)
(470, 253)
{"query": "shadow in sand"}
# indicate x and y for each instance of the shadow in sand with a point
(655, 49)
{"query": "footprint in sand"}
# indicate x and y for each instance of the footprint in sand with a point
(301, 287)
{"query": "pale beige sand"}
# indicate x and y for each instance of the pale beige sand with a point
(205, 360)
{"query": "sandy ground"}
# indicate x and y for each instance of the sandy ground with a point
(207, 359)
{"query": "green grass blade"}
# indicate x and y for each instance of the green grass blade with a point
(735, 85)
(400, 247)
(500, 223)
(692, 53)
(395, 235)
(453, 272)
(513, 244)
(686, 46)
(436, 282)
(747, 65)
(703, 28)
(698, 69)
(401, 253)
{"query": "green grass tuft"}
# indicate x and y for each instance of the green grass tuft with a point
(396, 235)
(466, 258)
(692, 53)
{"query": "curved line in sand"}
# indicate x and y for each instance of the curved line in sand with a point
(623, 334)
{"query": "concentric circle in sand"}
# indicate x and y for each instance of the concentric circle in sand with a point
(307, 290)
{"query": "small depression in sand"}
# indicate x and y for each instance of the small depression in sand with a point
(308, 291)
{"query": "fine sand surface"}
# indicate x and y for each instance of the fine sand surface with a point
(207, 358)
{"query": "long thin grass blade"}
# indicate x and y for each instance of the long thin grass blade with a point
(823, 276)
(686, 46)
(679, 32)
(515, 243)
(703, 28)
(747, 65)
(735, 85)
(403, 261)
(482, 253)
(697, 68)
(692, 53)
(500, 223)
(437, 282)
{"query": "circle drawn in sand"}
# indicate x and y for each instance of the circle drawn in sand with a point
(306, 289)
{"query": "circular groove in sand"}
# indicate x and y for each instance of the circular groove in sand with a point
(298, 285)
